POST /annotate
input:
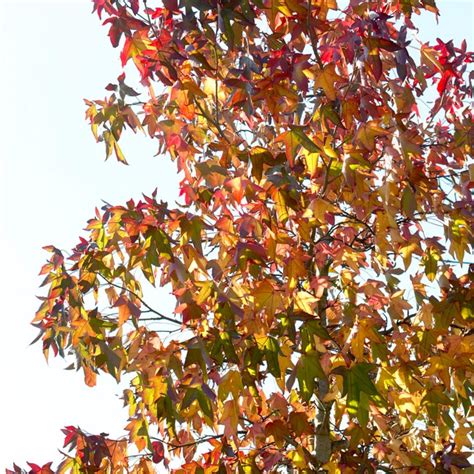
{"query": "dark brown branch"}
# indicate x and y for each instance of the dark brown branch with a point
(212, 121)
(326, 178)
(312, 38)
(124, 288)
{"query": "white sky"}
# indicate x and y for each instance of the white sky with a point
(52, 175)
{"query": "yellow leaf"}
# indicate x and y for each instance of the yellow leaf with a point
(312, 161)
(332, 467)
(406, 402)
(160, 386)
(230, 383)
(205, 292)
(82, 328)
(267, 297)
(284, 361)
(318, 208)
(305, 302)
(261, 340)
(329, 150)
(439, 365)
(298, 458)
(138, 429)
(326, 79)
(357, 344)
(230, 418)
(458, 382)
(119, 154)
(145, 466)
(281, 209)
(407, 251)
(429, 57)
(368, 132)
(462, 437)
(294, 270)
(67, 466)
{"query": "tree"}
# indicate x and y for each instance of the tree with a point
(324, 306)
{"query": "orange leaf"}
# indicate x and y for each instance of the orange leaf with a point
(326, 80)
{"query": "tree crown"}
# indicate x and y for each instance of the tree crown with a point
(324, 314)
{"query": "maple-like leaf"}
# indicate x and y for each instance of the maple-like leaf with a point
(318, 258)
(326, 79)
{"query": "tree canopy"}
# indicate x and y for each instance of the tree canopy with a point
(318, 256)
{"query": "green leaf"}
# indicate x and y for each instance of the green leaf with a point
(359, 388)
(194, 356)
(162, 243)
(272, 350)
(430, 262)
(111, 359)
(189, 397)
(408, 202)
(361, 379)
(299, 135)
(205, 404)
(313, 328)
(308, 370)
(433, 399)
(229, 349)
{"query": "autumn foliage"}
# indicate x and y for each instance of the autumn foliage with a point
(317, 256)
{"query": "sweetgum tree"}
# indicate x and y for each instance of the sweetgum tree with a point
(324, 307)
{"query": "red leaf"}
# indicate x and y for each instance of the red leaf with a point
(376, 66)
(171, 5)
(158, 451)
(115, 32)
(100, 5)
(35, 469)
(125, 54)
(71, 435)
(388, 45)
(135, 6)
(444, 81)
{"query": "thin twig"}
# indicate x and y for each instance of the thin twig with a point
(314, 43)
(124, 288)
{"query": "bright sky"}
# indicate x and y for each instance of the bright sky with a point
(52, 175)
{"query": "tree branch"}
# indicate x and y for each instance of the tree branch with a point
(124, 288)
